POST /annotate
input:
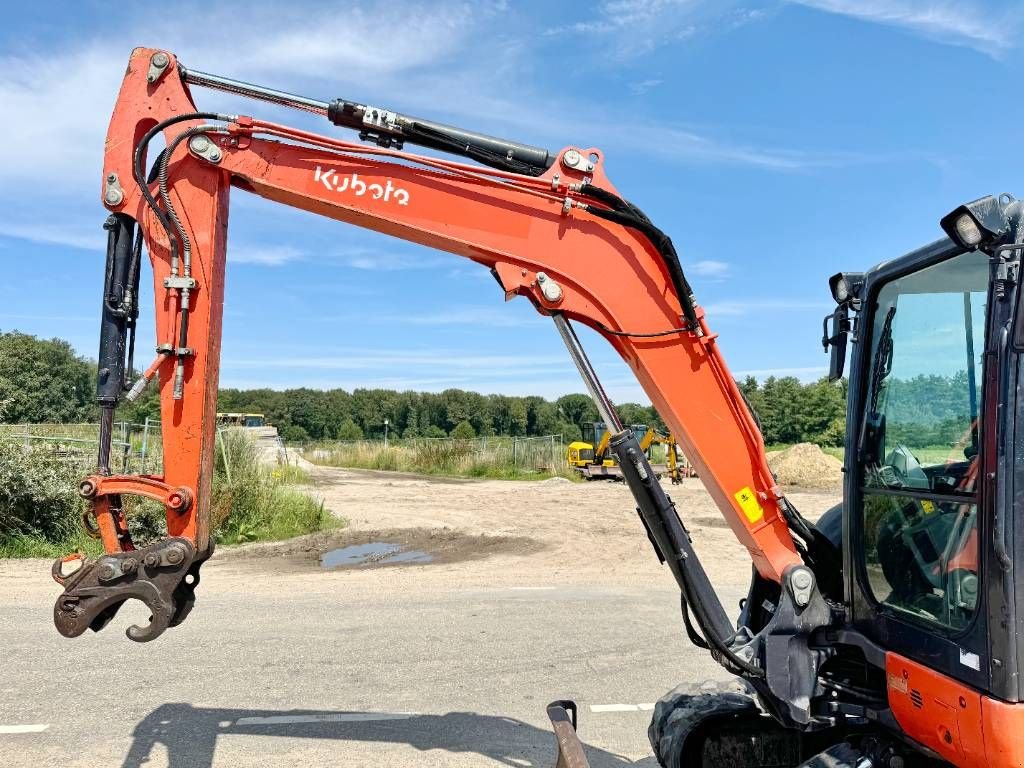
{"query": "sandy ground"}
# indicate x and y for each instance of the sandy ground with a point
(511, 532)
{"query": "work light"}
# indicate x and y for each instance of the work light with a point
(977, 224)
(845, 286)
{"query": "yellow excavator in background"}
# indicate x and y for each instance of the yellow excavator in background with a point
(594, 461)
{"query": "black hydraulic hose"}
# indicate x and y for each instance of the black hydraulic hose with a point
(172, 216)
(140, 180)
(691, 631)
(628, 215)
(612, 200)
(625, 213)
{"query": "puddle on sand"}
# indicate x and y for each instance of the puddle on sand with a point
(374, 553)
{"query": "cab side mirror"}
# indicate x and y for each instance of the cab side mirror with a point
(835, 329)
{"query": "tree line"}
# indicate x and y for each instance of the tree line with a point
(45, 381)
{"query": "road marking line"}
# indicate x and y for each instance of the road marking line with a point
(349, 717)
(36, 728)
(621, 707)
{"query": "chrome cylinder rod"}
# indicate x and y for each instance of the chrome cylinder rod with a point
(250, 91)
(590, 380)
(105, 438)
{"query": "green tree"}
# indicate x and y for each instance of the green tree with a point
(464, 431)
(577, 409)
(293, 433)
(349, 430)
(44, 381)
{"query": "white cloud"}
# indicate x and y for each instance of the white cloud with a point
(269, 256)
(58, 104)
(56, 232)
(633, 27)
(709, 268)
(375, 41)
(388, 261)
(685, 146)
(641, 87)
(956, 23)
(57, 107)
(486, 317)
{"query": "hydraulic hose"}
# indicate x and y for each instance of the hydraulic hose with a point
(628, 215)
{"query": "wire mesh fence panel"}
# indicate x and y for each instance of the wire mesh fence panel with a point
(134, 449)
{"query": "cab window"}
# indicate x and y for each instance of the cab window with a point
(919, 445)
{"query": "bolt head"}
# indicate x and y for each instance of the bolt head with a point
(160, 59)
(129, 565)
(199, 144)
(152, 560)
(802, 579)
(571, 158)
(175, 556)
(111, 177)
(87, 489)
(107, 573)
(214, 156)
(113, 197)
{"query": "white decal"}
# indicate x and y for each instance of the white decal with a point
(969, 659)
(352, 183)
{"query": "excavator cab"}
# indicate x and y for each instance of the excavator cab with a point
(933, 457)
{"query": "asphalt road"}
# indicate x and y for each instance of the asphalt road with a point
(398, 667)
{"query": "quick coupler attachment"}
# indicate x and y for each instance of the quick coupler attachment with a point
(162, 575)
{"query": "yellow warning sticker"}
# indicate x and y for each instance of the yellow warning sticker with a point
(927, 506)
(748, 503)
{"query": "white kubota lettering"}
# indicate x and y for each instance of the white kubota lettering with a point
(352, 183)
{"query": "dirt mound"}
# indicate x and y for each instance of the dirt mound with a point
(807, 466)
(556, 480)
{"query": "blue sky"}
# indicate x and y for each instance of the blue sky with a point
(776, 142)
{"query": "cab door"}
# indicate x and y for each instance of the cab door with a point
(916, 464)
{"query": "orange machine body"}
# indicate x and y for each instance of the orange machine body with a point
(953, 720)
(609, 276)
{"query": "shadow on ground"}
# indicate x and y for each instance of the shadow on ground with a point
(189, 735)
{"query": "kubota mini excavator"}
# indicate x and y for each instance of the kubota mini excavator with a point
(890, 634)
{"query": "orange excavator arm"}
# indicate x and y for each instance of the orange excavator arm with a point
(560, 235)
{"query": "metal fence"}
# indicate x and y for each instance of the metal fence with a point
(135, 448)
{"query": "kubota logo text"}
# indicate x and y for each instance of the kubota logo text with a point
(352, 183)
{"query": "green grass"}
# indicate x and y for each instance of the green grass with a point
(491, 459)
(40, 510)
(261, 503)
(26, 545)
